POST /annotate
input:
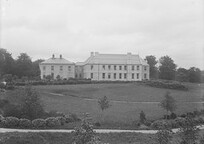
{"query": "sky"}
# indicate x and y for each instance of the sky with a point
(74, 28)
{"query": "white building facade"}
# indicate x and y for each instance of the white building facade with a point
(57, 68)
(98, 67)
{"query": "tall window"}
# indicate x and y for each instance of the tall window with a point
(120, 67)
(145, 75)
(133, 76)
(120, 75)
(145, 68)
(137, 75)
(61, 68)
(104, 75)
(91, 67)
(104, 67)
(133, 67)
(125, 75)
(109, 76)
(138, 67)
(52, 67)
(69, 68)
(114, 75)
(91, 75)
(114, 67)
(109, 67)
(44, 67)
(52, 75)
(125, 67)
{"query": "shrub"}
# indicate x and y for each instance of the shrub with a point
(179, 121)
(52, 122)
(12, 110)
(160, 124)
(25, 123)
(142, 117)
(11, 122)
(163, 136)
(39, 123)
(97, 124)
(2, 121)
(62, 120)
(173, 116)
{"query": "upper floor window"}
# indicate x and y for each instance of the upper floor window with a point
(138, 67)
(120, 67)
(52, 67)
(109, 67)
(145, 68)
(125, 67)
(69, 68)
(104, 66)
(44, 67)
(61, 68)
(133, 68)
(114, 67)
(91, 67)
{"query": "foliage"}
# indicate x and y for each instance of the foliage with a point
(11, 122)
(182, 75)
(168, 103)
(142, 117)
(167, 68)
(62, 120)
(151, 60)
(25, 123)
(164, 136)
(52, 122)
(104, 103)
(11, 110)
(194, 75)
(39, 123)
(31, 104)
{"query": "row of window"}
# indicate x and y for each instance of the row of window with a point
(120, 67)
(120, 75)
(61, 68)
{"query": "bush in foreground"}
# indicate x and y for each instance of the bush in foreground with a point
(25, 123)
(11, 122)
(39, 123)
(52, 122)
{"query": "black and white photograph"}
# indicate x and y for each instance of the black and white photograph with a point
(101, 72)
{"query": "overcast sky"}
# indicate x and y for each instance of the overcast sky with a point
(74, 28)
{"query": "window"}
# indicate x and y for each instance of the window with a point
(104, 75)
(145, 68)
(109, 67)
(138, 67)
(76, 75)
(91, 75)
(52, 67)
(91, 67)
(133, 76)
(145, 76)
(120, 67)
(125, 67)
(69, 68)
(125, 75)
(104, 67)
(114, 75)
(61, 68)
(120, 75)
(44, 67)
(114, 67)
(133, 67)
(137, 75)
(109, 76)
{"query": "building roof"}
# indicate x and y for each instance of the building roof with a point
(54, 60)
(115, 59)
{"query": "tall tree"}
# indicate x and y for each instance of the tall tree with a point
(182, 75)
(194, 74)
(167, 68)
(151, 60)
(23, 65)
(6, 62)
(36, 68)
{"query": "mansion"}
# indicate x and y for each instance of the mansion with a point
(98, 67)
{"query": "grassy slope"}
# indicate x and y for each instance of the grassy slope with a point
(75, 100)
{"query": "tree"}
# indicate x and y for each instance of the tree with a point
(142, 117)
(182, 75)
(36, 68)
(104, 103)
(151, 60)
(23, 65)
(167, 68)
(168, 103)
(31, 107)
(194, 75)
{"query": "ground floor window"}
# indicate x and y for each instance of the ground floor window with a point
(120, 75)
(133, 76)
(145, 75)
(137, 75)
(103, 75)
(91, 75)
(125, 75)
(114, 75)
(109, 76)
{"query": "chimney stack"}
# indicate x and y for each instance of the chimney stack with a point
(60, 56)
(92, 53)
(53, 56)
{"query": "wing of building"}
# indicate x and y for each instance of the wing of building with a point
(100, 67)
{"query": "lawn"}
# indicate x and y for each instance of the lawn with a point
(127, 100)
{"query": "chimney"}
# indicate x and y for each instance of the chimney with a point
(60, 56)
(53, 56)
(92, 53)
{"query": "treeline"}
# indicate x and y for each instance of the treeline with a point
(165, 68)
(22, 67)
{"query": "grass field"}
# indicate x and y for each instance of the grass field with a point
(127, 100)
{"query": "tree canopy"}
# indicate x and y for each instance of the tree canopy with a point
(151, 60)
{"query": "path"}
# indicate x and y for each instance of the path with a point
(5, 130)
